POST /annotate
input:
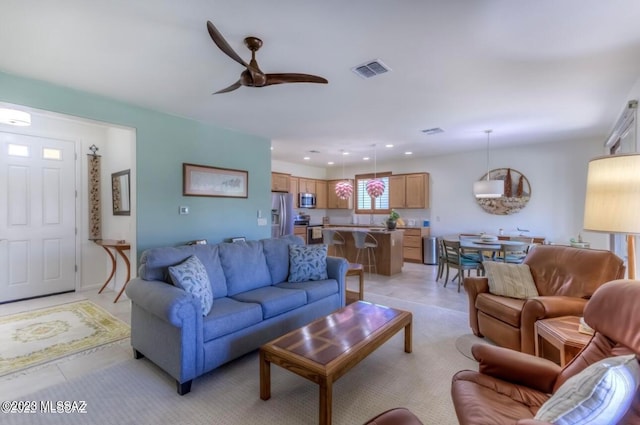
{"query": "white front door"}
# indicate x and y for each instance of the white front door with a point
(37, 216)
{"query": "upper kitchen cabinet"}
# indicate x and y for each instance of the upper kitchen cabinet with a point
(409, 190)
(333, 202)
(321, 194)
(293, 189)
(306, 185)
(280, 182)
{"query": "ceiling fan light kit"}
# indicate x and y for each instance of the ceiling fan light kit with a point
(253, 76)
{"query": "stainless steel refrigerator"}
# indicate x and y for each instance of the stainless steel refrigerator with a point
(281, 214)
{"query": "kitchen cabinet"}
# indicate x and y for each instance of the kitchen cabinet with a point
(333, 202)
(306, 186)
(409, 190)
(293, 189)
(280, 182)
(412, 243)
(321, 194)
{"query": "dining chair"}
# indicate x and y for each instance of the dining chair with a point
(455, 259)
(442, 258)
(471, 254)
(515, 254)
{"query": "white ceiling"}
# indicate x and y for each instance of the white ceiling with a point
(533, 71)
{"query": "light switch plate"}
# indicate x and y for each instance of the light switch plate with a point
(184, 210)
(262, 222)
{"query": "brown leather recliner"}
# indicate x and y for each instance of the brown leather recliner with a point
(565, 278)
(510, 387)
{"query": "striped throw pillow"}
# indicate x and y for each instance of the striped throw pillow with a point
(510, 280)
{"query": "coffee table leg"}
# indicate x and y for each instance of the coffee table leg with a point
(265, 377)
(326, 394)
(408, 338)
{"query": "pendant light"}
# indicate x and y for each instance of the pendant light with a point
(375, 187)
(488, 188)
(344, 189)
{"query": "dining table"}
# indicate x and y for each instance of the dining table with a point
(493, 246)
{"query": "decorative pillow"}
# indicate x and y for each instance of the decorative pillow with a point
(307, 262)
(600, 394)
(510, 280)
(191, 276)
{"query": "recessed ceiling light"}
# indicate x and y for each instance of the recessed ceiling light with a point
(345, 153)
(388, 146)
(330, 163)
(366, 158)
(408, 153)
(306, 158)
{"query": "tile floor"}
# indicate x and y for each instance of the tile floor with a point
(416, 283)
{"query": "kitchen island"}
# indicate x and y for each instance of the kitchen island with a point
(389, 257)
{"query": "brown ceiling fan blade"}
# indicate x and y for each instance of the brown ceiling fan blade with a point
(232, 87)
(293, 78)
(223, 45)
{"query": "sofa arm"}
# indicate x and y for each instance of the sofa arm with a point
(516, 367)
(475, 286)
(164, 301)
(539, 308)
(337, 269)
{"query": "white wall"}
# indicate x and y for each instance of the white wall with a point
(557, 174)
(119, 155)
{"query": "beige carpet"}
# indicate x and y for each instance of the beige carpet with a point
(40, 336)
(137, 392)
(465, 342)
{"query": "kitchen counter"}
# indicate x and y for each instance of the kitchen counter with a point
(388, 253)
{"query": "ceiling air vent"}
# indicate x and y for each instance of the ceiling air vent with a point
(371, 68)
(432, 131)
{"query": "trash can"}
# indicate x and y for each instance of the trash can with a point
(429, 250)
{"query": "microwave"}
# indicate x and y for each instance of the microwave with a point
(306, 200)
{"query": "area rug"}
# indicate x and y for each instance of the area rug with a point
(40, 336)
(138, 392)
(466, 341)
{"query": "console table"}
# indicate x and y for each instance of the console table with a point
(119, 247)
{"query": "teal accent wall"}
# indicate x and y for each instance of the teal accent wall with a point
(163, 143)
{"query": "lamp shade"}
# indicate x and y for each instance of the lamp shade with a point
(488, 188)
(15, 117)
(612, 201)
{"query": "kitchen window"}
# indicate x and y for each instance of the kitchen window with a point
(366, 204)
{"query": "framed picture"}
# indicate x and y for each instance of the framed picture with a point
(239, 239)
(202, 180)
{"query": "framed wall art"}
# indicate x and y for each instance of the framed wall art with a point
(202, 180)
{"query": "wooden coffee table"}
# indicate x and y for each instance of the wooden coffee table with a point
(327, 348)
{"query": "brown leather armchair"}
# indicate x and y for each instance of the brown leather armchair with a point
(565, 278)
(397, 416)
(510, 387)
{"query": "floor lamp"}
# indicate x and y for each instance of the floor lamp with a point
(612, 204)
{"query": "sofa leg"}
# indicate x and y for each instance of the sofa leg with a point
(185, 387)
(137, 354)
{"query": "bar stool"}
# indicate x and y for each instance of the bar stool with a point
(364, 241)
(333, 238)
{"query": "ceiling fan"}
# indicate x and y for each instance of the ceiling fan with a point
(253, 76)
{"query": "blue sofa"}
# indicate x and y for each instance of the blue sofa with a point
(253, 304)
